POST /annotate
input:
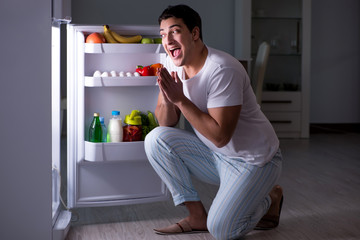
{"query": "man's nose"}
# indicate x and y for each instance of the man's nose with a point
(169, 38)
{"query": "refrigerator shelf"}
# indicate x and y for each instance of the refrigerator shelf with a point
(120, 81)
(122, 151)
(123, 48)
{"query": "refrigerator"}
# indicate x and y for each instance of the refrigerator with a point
(105, 173)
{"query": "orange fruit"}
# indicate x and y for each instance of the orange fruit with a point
(95, 38)
(155, 67)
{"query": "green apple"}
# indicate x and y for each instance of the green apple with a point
(147, 40)
(158, 40)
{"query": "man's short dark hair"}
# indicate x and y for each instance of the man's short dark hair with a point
(190, 17)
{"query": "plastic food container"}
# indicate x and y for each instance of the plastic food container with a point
(132, 130)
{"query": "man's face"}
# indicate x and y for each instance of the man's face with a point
(177, 40)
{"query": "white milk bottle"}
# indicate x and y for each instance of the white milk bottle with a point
(115, 129)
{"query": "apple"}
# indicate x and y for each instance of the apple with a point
(158, 40)
(147, 40)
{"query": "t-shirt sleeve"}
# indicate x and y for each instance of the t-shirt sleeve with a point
(225, 88)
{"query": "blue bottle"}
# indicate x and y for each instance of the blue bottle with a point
(103, 129)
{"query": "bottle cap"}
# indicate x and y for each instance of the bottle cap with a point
(96, 114)
(134, 118)
(115, 112)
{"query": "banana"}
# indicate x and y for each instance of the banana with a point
(122, 39)
(107, 34)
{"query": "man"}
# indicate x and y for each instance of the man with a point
(234, 145)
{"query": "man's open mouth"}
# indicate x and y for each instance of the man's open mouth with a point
(175, 52)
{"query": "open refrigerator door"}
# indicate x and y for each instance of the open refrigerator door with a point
(109, 173)
(61, 14)
(60, 218)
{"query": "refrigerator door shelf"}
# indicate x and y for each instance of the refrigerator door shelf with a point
(122, 151)
(120, 81)
(123, 48)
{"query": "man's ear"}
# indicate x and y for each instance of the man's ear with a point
(196, 33)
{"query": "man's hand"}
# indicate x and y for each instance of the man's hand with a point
(167, 113)
(170, 86)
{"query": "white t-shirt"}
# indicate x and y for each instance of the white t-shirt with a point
(222, 82)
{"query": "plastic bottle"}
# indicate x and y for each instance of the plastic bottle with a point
(115, 130)
(95, 133)
(103, 129)
(132, 128)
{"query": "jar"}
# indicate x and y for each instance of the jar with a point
(132, 130)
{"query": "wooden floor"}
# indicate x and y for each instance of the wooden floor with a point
(321, 181)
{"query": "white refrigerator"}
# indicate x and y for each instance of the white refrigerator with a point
(107, 174)
(103, 174)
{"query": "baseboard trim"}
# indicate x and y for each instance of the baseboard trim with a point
(335, 128)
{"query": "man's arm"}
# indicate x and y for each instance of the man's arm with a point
(166, 113)
(218, 125)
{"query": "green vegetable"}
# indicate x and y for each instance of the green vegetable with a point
(144, 119)
(145, 131)
(148, 123)
(152, 121)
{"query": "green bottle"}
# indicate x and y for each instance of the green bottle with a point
(95, 132)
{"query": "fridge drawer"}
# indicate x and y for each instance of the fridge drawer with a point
(118, 183)
(123, 151)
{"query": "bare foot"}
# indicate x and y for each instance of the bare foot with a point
(197, 223)
(197, 215)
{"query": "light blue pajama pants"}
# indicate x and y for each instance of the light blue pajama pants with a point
(243, 195)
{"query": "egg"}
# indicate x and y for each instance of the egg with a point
(129, 74)
(97, 73)
(113, 73)
(122, 74)
(105, 74)
(136, 74)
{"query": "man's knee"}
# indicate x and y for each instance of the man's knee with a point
(223, 229)
(154, 139)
